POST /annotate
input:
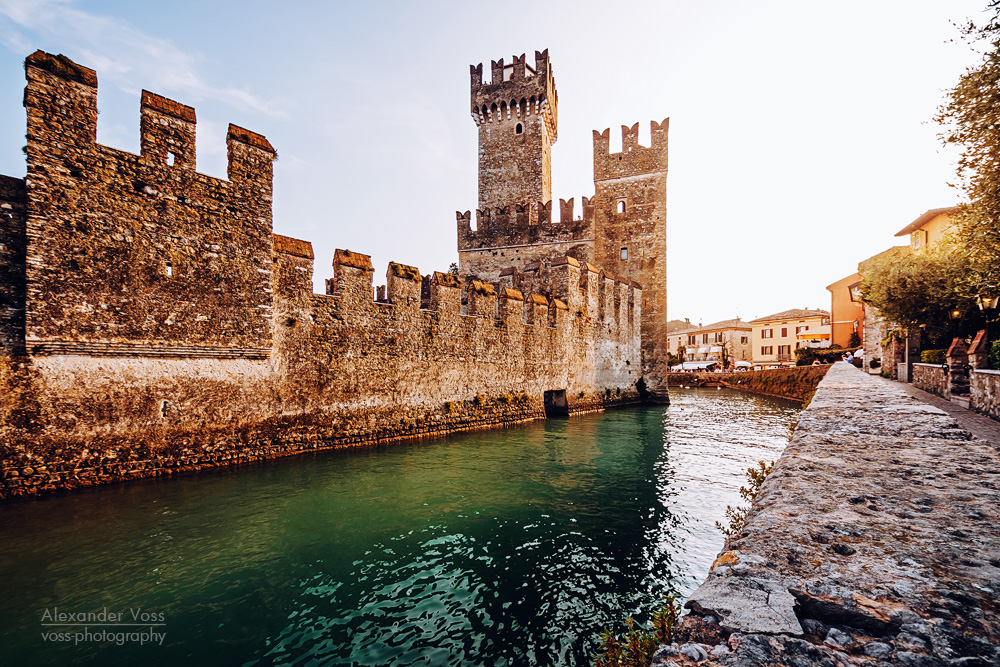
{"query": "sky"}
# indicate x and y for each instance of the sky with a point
(801, 133)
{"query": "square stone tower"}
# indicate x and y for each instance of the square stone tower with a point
(516, 115)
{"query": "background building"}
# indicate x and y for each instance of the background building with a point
(775, 337)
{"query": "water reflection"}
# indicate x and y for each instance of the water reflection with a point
(493, 548)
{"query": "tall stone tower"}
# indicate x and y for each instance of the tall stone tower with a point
(630, 231)
(516, 115)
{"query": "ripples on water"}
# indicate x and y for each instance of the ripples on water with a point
(509, 547)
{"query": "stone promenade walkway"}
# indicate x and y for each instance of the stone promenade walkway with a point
(973, 422)
(876, 541)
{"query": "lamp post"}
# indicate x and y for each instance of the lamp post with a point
(987, 304)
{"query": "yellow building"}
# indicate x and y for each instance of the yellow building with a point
(929, 228)
(775, 338)
(703, 344)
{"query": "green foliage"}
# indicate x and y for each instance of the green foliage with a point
(933, 356)
(636, 647)
(970, 119)
(453, 268)
(738, 516)
(854, 342)
(804, 356)
(919, 289)
(994, 355)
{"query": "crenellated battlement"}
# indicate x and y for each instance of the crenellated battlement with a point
(524, 224)
(194, 250)
(61, 100)
(634, 159)
(547, 290)
(516, 90)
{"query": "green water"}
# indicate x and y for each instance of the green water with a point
(511, 547)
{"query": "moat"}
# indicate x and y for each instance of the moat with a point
(504, 547)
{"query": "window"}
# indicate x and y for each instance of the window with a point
(718, 337)
(691, 340)
(170, 269)
(743, 340)
(519, 129)
(624, 254)
(799, 330)
(704, 338)
(784, 332)
(767, 333)
(621, 205)
(784, 349)
(170, 159)
(766, 349)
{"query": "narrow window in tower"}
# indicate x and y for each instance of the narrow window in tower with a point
(170, 159)
(519, 129)
(621, 205)
(170, 269)
(487, 134)
(624, 254)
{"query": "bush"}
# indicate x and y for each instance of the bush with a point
(994, 355)
(804, 356)
(933, 356)
(635, 648)
(738, 516)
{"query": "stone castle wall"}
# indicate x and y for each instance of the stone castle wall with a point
(152, 322)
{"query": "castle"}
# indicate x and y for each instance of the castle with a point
(622, 228)
(151, 321)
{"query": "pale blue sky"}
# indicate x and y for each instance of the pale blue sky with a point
(800, 132)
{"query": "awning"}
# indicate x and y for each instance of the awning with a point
(743, 364)
(819, 333)
(694, 365)
(716, 348)
(703, 350)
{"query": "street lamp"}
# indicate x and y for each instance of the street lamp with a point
(955, 313)
(987, 302)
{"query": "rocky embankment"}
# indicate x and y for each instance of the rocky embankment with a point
(796, 383)
(875, 542)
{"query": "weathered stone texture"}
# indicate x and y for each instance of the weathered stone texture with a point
(167, 328)
(984, 388)
(132, 249)
(932, 378)
(879, 520)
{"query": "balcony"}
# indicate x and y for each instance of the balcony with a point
(782, 357)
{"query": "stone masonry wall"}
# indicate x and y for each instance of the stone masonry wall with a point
(984, 392)
(127, 249)
(349, 370)
(169, 329)
(873, 542)
(931, 378)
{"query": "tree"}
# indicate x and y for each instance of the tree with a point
(921, 289)
(970, 118)
(727, 351)
(453, 268)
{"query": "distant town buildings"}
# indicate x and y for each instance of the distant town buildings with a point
(725, 345)
(775, 338)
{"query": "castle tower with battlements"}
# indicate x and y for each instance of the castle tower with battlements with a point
(517, 119)
(516, 235)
